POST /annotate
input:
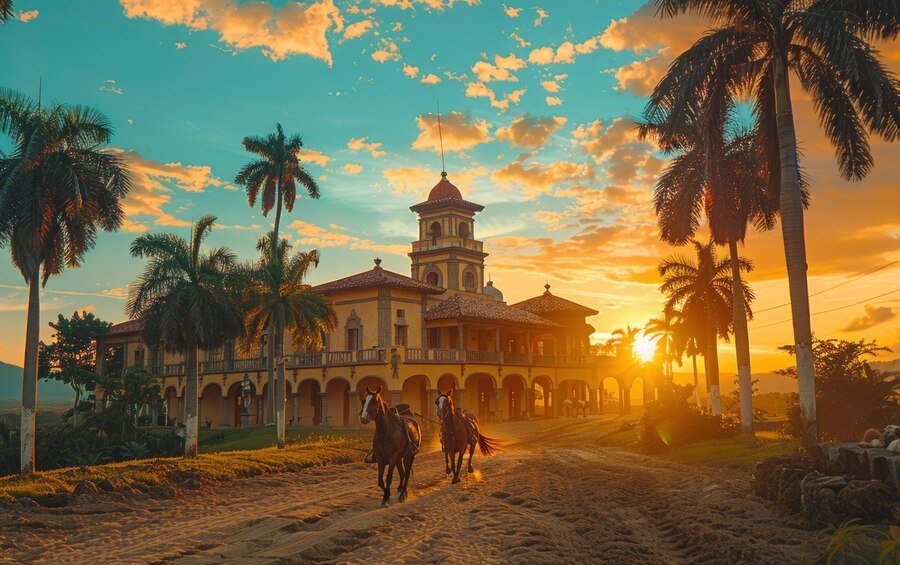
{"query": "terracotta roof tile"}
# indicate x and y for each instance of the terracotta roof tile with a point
(378, 277)
(466, 306)
(550, 304)
(127, 327)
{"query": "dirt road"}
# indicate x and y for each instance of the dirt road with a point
(554, 497)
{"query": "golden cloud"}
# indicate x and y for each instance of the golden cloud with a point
(410, 71)
(362, 144)
(431, 78)
(541, 179)
(292, 29)
(530, 131)
(319, 237)
(357, 29)
(458, 131)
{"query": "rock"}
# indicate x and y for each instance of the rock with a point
(778, 479)
(871, 501)
(890, 433)
(894, 446)
(819, 499)
(85, 487)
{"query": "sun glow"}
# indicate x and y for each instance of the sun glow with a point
(644, 348)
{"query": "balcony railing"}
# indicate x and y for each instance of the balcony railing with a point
(377, 356)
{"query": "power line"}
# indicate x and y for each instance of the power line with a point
(831, 310)
(859, 275)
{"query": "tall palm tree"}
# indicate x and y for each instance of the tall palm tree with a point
(719, 171)
(183, 298)
(275, 290)
(702, 291)
(687, 342)
(6, 10)
(273, 178)
(826, 43)
(58, 188)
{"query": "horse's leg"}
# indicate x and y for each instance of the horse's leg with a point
(472, 443)
(390, 478)
(447, 459)
(458, 465)
(405, 473)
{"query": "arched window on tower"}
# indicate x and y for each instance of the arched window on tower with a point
(464, 230)
(433, 278)
(469, 281)
(435, 232)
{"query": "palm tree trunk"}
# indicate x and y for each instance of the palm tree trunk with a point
(741, 341)
(711, 361)
(191, 402)
(29, 375)
(270, 371)
(696, 381)
(270, 396)
(795, 252)
(279, 391)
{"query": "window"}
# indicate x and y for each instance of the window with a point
(400, 334)
(469, 281)
(401, 313)
(432, 278)
(353, 339)
(139, 357)
(434, 338)
(463, 230)
(436, 232)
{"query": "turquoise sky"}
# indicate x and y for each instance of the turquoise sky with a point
(536, 100)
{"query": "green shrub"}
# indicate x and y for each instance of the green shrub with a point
(671, 421)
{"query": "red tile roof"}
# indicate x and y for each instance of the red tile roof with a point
(550, 304)
(445, 194)
(130, 326)
(378, 277)
(469, 307)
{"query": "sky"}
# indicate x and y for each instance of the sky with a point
(537, 102)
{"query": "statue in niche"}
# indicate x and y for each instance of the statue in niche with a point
(246, 393)
(395, 363)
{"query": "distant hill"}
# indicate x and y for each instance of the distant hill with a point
(11, 387)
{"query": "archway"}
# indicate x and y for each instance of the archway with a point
(337, 402)
(415, 393)
(235, 404)
(540, 390)
(310, 402)
(211, 405)
(479, 396)
(610, 396)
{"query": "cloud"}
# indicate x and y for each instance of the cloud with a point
(432, 4)
(357, 29)
(872, 317)
(361, 144)
(550, 86)
(410, 71)
(292, 29)
(388, 52)
(313, 156)
(501, 70)
(180, 45)
(553, 101)
(110, 86)
(541, 16)
(419, 181)
(480, 90)
(530, 131)
(431, 78)
(352, 169)
(152, 184)
(518, 39)
(565, 53)
(458, 131)
(512, 12)
(318, 237)
(26, 17)
(538, 179)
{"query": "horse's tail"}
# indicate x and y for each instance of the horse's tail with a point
(488, 446)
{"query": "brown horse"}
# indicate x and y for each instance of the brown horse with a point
(397, 440)
(460, 432)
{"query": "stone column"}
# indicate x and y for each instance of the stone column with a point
(592, 401)
(529, 403)
(498, 407)
(180, 410)
(296, 407)
(260, 405)
(225, 411)
(323, 398)
(554, 405)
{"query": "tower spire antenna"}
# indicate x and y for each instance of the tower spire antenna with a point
(441, 139)
(40, 80)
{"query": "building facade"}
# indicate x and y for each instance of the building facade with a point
(442, 327)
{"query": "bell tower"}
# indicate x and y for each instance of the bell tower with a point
(447, 253)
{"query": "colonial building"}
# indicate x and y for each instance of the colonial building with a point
(442, 327)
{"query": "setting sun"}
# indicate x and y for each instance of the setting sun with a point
(644, 347)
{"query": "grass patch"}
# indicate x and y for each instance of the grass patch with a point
(218, 462)
(739, 452)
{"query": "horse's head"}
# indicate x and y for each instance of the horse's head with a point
(444, 404)
(372, 405)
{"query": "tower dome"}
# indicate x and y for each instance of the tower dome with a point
(492, 291)
(443, 190)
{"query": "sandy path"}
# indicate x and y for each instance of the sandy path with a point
(554, 498)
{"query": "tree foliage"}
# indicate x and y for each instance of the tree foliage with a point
(851, 397)
(71, 358)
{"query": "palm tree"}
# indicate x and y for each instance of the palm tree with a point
(276, 291)
(623, 340)
(184, 300)
(702, 291)
(274, 178)
(663, 332)
(826, 44)
(58, 188)
(719, 171)
(6, 10)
